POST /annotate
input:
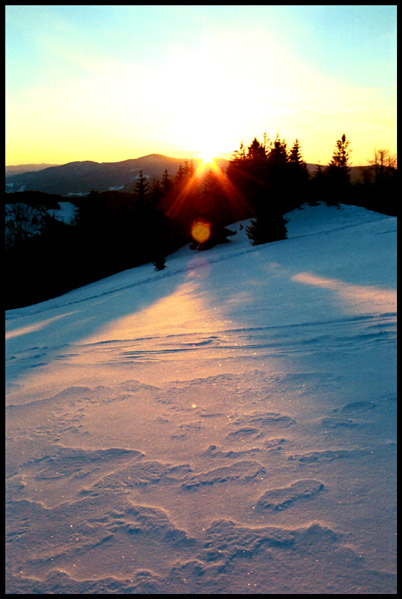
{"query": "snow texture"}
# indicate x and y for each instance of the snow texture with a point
(224, 426)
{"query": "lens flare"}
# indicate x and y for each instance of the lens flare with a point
(201, 230)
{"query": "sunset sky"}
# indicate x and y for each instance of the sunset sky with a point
(108, 83)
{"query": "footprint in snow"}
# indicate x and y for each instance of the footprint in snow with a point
(279, 499)
(358, 406)
(266, 419)
(334, 422)
(244, 433)
(239, 471)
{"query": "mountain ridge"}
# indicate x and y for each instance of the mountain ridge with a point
(80, 177)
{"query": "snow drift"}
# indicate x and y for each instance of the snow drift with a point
(226, 425)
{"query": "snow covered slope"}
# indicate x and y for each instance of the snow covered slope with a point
(226, 425)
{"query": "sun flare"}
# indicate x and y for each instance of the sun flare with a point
(207, 156)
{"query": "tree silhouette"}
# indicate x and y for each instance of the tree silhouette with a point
(166, 184)
(268, 226)
(382, 167)
(297, 177)
(256, 152)
(316, 185)
(337, 173)
(141, 190)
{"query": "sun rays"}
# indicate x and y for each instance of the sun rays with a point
(187, 198)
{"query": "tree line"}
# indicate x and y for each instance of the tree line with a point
(115, 230)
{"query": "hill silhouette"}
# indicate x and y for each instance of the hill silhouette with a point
(81, 177)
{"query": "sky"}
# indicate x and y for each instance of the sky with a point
(109, 83)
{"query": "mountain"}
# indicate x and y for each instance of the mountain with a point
(355, 172)
(25, 168)
(83, 177)
(224, 426)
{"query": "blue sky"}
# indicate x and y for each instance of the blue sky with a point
(109, 82)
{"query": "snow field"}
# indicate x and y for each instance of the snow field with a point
(226, 425)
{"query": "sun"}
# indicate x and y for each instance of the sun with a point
(207, 154)
(207, 157)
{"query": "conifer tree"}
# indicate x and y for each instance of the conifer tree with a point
(297, 176)
(180, 175)
(277, 156)
(256, 152)
(159, 262)
(240, 154)
(268, 226)
(316, 185)
(141, 190)
(155, 192)
(337, 173)
(166, 183)
(189, 169)
(295, 156)
(341, 155)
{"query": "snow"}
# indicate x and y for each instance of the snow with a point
(66, 212)
(226, 425)
(116, 188)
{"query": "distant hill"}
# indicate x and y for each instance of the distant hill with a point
(355, 171)
(82, 177)
(25, 168)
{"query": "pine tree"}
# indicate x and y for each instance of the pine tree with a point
(239, 155)
(141, 190)
(189, 169)
(269, 226)
(159, 262)
(298, 176)
(166, 183)
(277, 156)
(316, 186)
(340, 157)
(265, 142)
(256, 152)
(295, 156)
(180, 175)
(337, 173)
(155, 192)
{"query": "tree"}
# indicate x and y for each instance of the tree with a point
(159, 262)
(189, 169)
(380, 187)
(184, 173)
(340, 157)
(155, 192)
(269, 226)
(256, 152)
(240, 154)
(166, 183)
(278, 176)
(337, 173)
(297, 176)
(141, 189)
(316, 185)
(295, 158)
(277, 156)
(23, 221)
(260, 177)
(382, 166)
